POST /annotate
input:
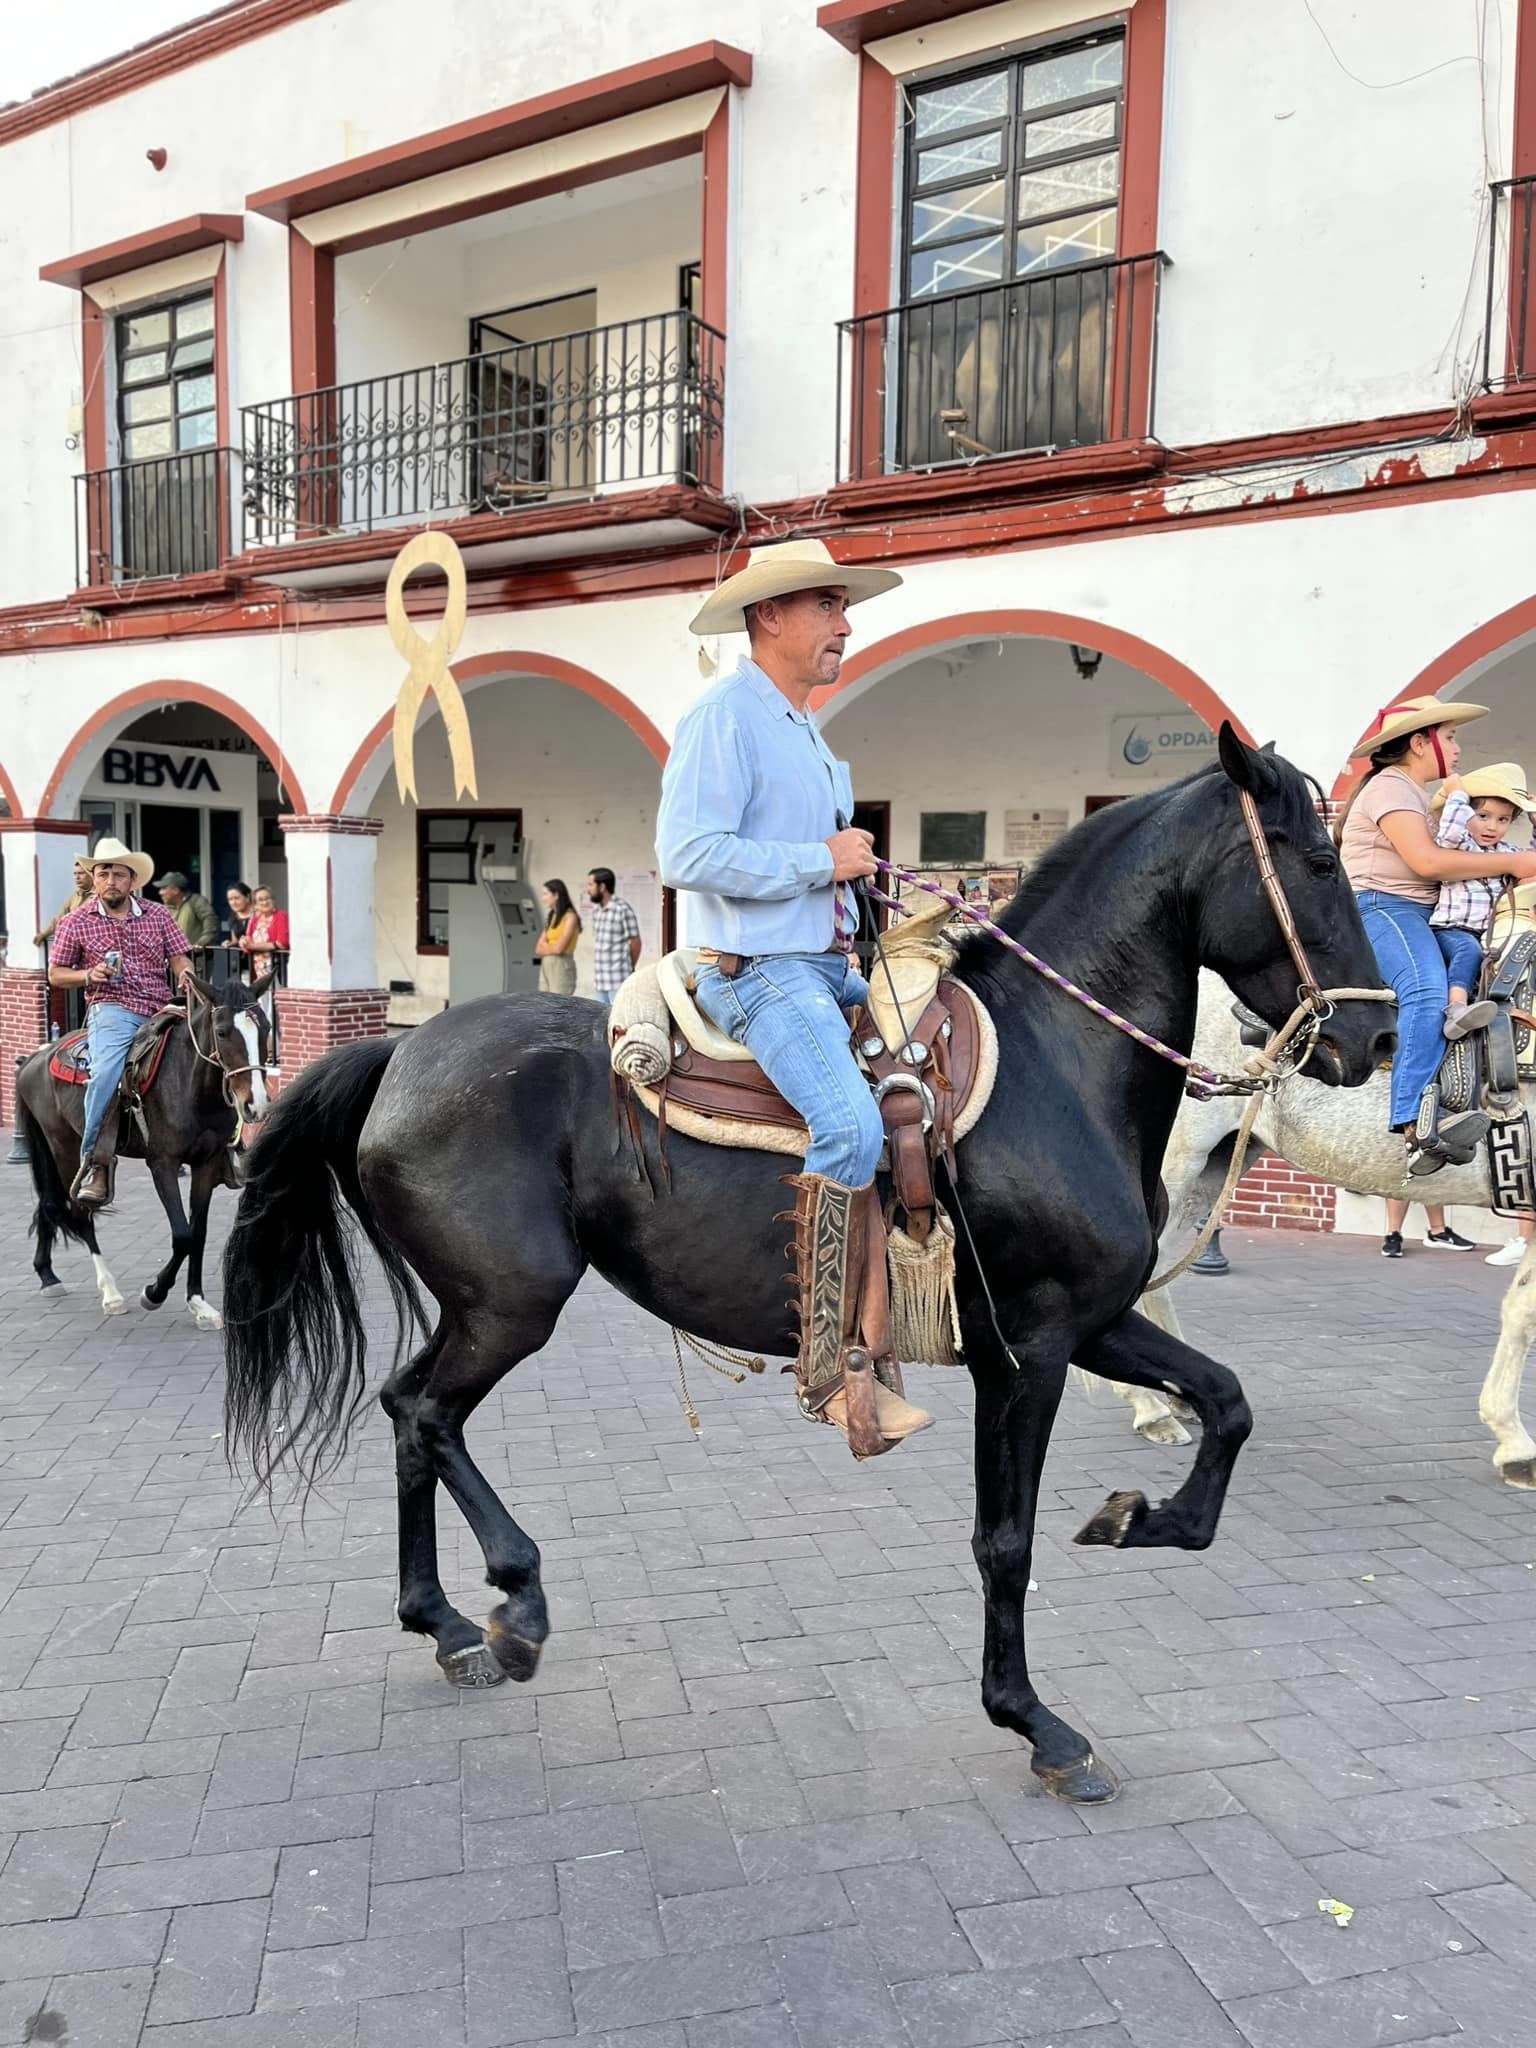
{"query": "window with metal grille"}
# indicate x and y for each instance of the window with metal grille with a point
(167, 398)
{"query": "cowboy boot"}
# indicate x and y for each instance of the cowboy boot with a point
(836, 1376)
(96, 1182)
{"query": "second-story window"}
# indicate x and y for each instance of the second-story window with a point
(1014, 169)
(166, 392)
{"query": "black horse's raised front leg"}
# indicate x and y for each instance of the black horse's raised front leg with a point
(1014, 1414)
(1135, 1350)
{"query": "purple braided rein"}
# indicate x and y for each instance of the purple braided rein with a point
(1202, 1082)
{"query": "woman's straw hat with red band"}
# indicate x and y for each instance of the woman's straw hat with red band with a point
(1414, 714)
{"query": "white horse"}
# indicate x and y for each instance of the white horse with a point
(1338, 1135)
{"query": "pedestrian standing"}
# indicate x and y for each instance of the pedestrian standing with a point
(556, 949)
(615, 936)
(197, 917)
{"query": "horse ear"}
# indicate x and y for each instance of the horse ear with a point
(258, 989)
(1242, 764)
(196, 981)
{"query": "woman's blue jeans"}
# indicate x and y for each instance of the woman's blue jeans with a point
(1408, 953)
(788, 1010)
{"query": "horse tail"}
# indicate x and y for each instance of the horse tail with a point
(295, 1347)
(55, 1212)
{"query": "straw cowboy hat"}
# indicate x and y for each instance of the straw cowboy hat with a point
(113, 853)
(1505, 780)
(1414, 714)
(776, 571)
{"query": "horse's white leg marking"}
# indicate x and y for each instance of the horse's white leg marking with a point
(1499, 1403)
(260, 1101)
(203, 1313)
(112, 1302)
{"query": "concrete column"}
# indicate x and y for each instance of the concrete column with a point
(39, 856)
(332, 995)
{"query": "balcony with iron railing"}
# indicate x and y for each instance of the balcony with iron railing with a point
(164, 516)
(634, 406)
(1509, 329)
(1060, 360)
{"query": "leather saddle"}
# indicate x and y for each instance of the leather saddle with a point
(924, 1077)
(70, 1060)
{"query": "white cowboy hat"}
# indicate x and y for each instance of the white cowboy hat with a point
(776, 571)
(1503, 779)
(115, 854)
(1414, 714)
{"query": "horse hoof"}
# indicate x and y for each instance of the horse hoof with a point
(1163, 1429)
(1113, 1524)
(1085, 1782)
(1520, 1472)
(148, 1300)
(51, 1284)
(474, 1668)
(204, 1314)
(115, 1307)
(517, 1655)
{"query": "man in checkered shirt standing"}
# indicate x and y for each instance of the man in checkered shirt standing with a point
(126, 955)
(615, 936)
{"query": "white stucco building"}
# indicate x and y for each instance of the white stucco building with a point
(1196, 335)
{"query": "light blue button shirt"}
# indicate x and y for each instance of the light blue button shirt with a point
(749, 797)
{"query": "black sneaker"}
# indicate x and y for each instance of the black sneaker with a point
(1448, 1240)
(1392, 1245)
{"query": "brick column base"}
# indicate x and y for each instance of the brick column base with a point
(314, 1021)
(23, 1027)
(1274, 1195)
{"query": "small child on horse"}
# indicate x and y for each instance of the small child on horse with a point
(1477, 810)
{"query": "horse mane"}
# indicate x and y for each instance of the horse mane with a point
(1291, 810)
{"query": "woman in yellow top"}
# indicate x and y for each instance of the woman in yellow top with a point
(556, 950)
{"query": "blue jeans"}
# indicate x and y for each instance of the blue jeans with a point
(1408, 953)
(1462, 953)
(111, 1030)
(788, 1009)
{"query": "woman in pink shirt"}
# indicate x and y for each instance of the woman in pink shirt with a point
(267, 931)
(1387, 843)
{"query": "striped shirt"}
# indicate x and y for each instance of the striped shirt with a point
(148, 940)
(1466, 906)
(613, 925)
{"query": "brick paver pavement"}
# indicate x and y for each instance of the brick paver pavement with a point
(751, 1800)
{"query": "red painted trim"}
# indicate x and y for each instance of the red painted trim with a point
(155, 245)
(15, 822)
(61, 828)
(922, 491)
(312, 314)
(335, 824)
(330, 911)
(655, 83)
(856, 22)
(911, 641)
(1072, 515)
(1146, 40)
(1523, 153)
(874, 199)
(194, 42)
(670, 151)
(174, 691)
(483, 529)
(507, 667)
(714, 233)
(94, 325)
(1492, 637)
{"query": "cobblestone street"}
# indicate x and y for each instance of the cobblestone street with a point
(751, 1800)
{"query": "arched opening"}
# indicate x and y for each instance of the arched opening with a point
(185, 773)
(977, 741)
(1495, 664)
(569, 776)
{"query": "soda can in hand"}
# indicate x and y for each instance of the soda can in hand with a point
(113, 962)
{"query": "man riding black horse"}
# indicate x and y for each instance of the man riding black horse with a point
(754, 820)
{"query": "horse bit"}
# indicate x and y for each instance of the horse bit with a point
(1279, 1058)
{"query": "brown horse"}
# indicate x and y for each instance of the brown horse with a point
(212, 1073)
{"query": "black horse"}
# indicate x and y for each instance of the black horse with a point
(481, 1156)
(212, 1071)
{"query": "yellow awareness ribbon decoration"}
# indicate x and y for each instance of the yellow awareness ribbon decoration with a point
(429, 661)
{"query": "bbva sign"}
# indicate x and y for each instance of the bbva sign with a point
(147, 768)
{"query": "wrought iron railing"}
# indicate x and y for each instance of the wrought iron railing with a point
(636, 402)
(166, 516)
(1509, 330)
(1060, 359)
(217, 965)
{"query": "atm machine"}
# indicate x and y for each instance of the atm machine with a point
(494, 921)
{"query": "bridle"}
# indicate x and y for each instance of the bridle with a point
(228, 1075)
(1287, 1051)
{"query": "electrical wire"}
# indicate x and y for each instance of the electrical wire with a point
(1387, 84)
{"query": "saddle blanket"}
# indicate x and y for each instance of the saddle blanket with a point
(71, 1060)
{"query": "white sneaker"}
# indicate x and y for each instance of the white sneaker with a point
(1507, 1254)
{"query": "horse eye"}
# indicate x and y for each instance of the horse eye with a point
(1323, 865)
